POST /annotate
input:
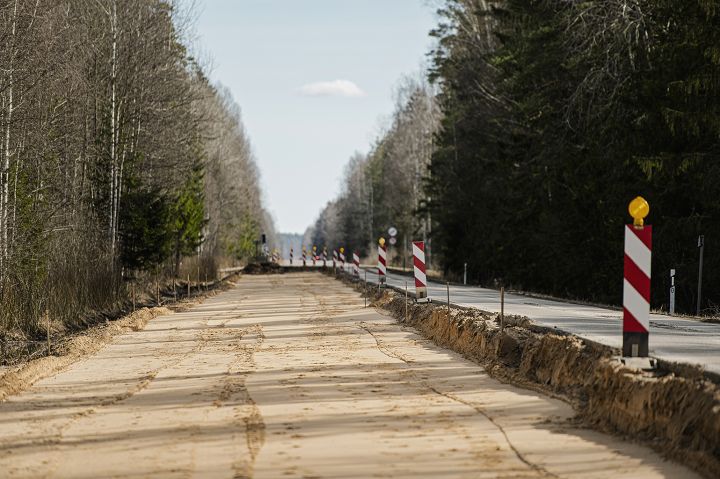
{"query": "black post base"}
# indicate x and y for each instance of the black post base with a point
(635, 345)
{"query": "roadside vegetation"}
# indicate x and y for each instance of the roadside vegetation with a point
(554, 115)
(119, 160)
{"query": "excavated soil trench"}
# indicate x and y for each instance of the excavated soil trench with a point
(290, 376)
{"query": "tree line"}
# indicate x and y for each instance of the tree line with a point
(384, 188)
(555, 114)
(118, 158)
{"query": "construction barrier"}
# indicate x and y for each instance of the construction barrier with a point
(335, 258)
(636, 283)
(382, 261)
(420, 275)
(304, 257)
(291, 256)
(356, 263)
(314, 254)
(342, 258)
(324, 256)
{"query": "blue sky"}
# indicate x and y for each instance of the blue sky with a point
(314, 80)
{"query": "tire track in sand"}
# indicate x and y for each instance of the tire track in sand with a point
(386, 350)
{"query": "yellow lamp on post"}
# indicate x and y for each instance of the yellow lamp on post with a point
(381, 241)
(342, 250)
(639, 209)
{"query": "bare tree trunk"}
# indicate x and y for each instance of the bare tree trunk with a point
(113, 129)
(5, 178)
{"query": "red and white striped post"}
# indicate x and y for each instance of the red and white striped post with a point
(314, 254)
(304, 257)
(342, 259)
(324, 256)
(356, 264)
(382, 261)
(291, 256)
(335, 258)
(636, 284)
(420, 276)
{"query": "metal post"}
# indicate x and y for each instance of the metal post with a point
(701, 245)
(465, 275)
(448, 297)
(502, 309)
(188, 285)
(672, 292)
(404, 251)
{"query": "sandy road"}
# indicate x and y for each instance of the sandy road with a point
(289, 376)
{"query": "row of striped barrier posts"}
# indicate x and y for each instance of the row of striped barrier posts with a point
(636, 283)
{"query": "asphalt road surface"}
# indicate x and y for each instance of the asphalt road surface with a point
(290, 376)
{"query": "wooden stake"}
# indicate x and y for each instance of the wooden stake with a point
(502, 309)
(188, 285)
(448, 297)
(406, 301)
(365, 289)
(157, 289)
(132, 288)
(47, 318)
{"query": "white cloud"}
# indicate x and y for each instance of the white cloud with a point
(344, 88)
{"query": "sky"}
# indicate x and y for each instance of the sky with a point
(314, 80)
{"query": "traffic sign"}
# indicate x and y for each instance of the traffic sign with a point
(392, 231)
(393, 240)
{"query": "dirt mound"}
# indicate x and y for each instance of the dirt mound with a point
(674, 409)
(263, 268)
